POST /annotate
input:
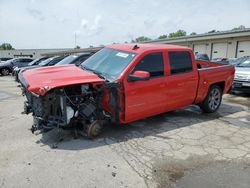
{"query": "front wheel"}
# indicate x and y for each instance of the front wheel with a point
(213, 100)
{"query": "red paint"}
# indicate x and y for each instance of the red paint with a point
(141, 99)
(57, 76)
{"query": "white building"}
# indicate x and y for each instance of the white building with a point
(33, 53)
(226, 44)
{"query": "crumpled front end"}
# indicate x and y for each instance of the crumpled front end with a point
(75, 106)
(49, 111)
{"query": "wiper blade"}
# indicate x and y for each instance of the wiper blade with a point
(96, 72)
(99, 74)
(85, 68)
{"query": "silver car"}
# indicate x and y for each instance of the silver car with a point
(242, 76)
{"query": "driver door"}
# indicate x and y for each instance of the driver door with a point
(148, 97)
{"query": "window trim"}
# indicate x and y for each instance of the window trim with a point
(163, 62)
(169, 64)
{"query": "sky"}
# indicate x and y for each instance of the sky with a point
(63, 23)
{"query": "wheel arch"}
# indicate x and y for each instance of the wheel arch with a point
(221, 84)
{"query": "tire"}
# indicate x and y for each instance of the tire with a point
(5, 71)
(213, 100)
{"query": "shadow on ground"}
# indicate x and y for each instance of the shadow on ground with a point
(152, 126)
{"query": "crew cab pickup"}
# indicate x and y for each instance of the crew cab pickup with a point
(123, 83)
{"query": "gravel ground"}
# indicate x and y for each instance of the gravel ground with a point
(184, 148)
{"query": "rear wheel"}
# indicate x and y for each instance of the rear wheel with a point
(5, 71)
(213, 100)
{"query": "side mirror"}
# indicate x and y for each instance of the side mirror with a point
(139, 76)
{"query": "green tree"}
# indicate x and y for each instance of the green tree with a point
(163, 37)
(193, 33)
(6, 46)
(212, 31)
(241, 27)
(178, 33)
(141, 39)
(77, 47)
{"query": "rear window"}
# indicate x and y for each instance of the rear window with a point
(68, 60)
(180, 62)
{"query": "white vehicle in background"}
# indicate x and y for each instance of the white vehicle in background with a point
(236, 61)
(242, 76)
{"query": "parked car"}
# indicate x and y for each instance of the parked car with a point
(46, 62)
(7, 67)
(231, 61)
(76, 59)
(37, 61)
(220, 60)
(236, 61)
(199, 56)
(16, 70)
(52, 61)
(123, 83)
(242, 76)
(3, 59)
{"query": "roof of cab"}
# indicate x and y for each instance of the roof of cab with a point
(146, 47)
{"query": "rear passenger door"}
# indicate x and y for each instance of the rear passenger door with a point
(182, 80)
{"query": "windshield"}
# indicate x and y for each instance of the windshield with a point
(46, 62)
(239, 60)
(245, 63)
(11, 60)
(68, 60)
(108, 62)
(34, 62)
(37, 61)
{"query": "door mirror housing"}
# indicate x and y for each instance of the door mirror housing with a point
(139, 76)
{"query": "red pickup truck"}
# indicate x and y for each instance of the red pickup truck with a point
(123, 83)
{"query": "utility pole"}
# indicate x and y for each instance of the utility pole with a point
(75, 39)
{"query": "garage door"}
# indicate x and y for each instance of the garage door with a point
(243, 49)
(200, 48)
(219, 50)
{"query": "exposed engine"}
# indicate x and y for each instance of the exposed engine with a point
(74, 106)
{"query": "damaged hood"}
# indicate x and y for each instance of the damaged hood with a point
(41, 80)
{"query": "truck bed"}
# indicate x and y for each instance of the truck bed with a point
(211, 73)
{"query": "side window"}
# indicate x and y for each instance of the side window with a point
(180, 62)
(24, 61)
(28, 60)
(152, 63)
(16, 62)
